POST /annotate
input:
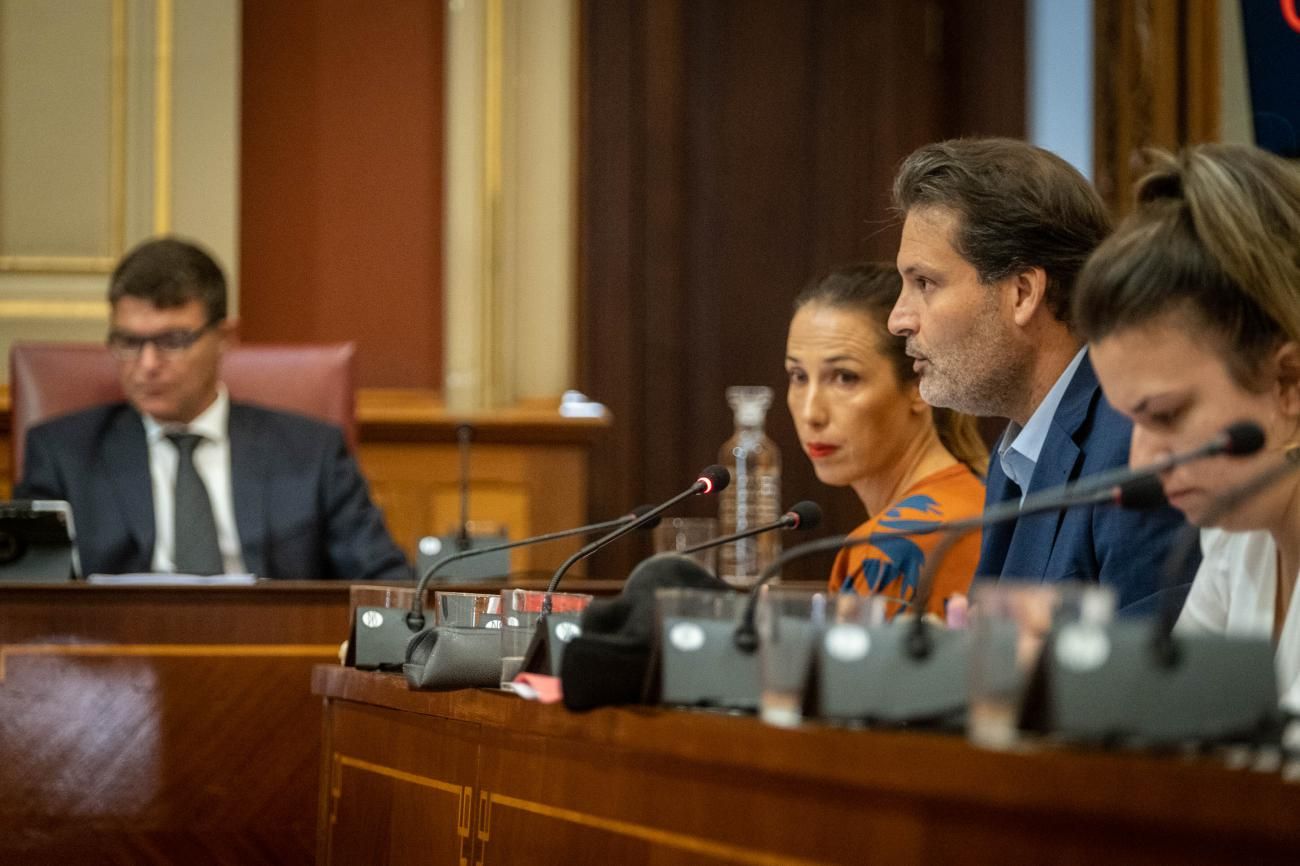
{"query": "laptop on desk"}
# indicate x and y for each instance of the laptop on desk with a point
(36, 541)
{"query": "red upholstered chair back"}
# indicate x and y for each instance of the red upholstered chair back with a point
(49, 379)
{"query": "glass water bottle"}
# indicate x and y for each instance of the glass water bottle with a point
(754, 496)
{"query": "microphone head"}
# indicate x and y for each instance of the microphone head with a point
(641, 511)
(715, 478)
(804, 515)
(1242, 439)
(1141, 494)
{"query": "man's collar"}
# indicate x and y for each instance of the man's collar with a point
(212, 423)
(1028, 440)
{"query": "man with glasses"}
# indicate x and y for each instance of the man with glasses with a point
(181, 479)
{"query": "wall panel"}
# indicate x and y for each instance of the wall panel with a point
(342, 192)
(730, 152)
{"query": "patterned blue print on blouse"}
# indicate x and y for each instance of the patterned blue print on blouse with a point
(892, 565)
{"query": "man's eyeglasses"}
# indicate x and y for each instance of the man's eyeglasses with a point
(127, 347)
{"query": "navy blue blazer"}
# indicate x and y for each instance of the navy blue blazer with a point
(1125, 550)
(302, 509)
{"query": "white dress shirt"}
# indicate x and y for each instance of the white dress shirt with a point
(212, 461)
(1235, 593)
(1020, 447)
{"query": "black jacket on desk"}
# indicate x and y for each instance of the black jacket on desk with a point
(302, 509)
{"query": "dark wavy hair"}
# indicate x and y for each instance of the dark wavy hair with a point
(1019, 207)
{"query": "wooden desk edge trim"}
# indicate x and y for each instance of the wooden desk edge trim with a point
(928, 766)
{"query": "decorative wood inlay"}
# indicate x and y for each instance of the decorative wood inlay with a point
(484, 825)
(400, 775)
(463, 793)
(166, 650)
(651, 835)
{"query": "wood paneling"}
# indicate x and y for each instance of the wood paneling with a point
(145, 725)
(731, 151)
(341, 188)
(537, 784)
(1156, 85)
(527, 489)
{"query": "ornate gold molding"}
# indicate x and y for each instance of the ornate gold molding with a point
(57, 264)
(117, 169)
(18, 308)
(162, 117)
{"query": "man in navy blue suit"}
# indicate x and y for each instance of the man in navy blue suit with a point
(181, 478)
(994, 233)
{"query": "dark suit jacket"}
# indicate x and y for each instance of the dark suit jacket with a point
(302, 509)
(1123, 549)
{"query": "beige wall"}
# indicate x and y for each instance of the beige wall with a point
(118, 120)
(511, 190)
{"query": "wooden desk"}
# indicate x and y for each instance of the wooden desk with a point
(162, 725)
(482, 777)
(167, 724)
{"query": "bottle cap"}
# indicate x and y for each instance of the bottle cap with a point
(750, 403)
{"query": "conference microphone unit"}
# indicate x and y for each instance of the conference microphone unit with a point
(1140, 491)
(803, 515)
(554, 630)
(712, 479)
(881, 673)
(381, 635)
(1138, 683)
(415, 618)
(909, 671)
(432, 547)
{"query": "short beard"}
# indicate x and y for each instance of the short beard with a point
(986, 375)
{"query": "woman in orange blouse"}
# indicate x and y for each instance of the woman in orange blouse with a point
(858, 410)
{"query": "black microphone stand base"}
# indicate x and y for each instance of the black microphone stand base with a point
(1113, 685)
(379, 638)
(876, 675)
(553, 634)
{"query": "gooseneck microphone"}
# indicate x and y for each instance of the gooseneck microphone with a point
(712, 479)
(1236, 440)
(802, 515)
(1128, 488)
(1140, 492)
(1135, 489)
(464, 435)
(415, 617)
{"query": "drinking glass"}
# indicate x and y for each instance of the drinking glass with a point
(521, 609)
(679, 533)
(789, 621)
(1009, 622)
(467, 609)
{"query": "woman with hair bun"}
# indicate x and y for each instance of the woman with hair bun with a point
(1192, 309)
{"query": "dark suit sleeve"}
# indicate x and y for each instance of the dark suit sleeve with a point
(1132, 548)
(357, 541)
(41, 476)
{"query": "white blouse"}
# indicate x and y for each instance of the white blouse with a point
(1235, 593)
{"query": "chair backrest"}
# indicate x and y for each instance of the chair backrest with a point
(49, 379)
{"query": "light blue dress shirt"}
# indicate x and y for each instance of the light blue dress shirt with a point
(1020, 447)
